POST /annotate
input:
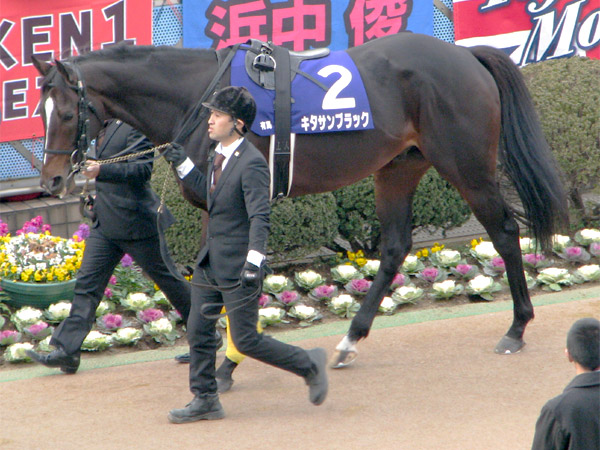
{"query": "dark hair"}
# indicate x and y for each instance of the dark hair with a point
(583, 342)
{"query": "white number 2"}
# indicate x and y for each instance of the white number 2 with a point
(331, 99)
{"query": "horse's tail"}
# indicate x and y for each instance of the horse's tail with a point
(524, 153)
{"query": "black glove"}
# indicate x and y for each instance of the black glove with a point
(251, 276)
(175, 154)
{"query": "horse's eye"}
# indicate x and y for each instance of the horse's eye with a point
(68, 116)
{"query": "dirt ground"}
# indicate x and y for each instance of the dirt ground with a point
(432, 384)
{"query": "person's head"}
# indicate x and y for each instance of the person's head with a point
(232, 112)
(583, 343)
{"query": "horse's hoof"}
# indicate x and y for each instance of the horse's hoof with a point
(343, 358)
(509, 346)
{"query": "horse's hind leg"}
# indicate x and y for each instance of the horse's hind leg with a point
(482, 193)
(395, 185)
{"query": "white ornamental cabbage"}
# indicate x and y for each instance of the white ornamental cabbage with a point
(344, 273)
(446, 258)
(590, 272)
(446, 289)
(371, 267)
(137, 301)
(271, 315)
(309, 279)
(407, 294)
(16, 352)
(344, 305)
(484, 251)
(162, 326)
(96, 341)
(275, 284)
(162, 330)
(587, 236)
(483, 286)
(304, 312)
(57, 312)
(127, 335)
(412, 264)
(480, 283)
(26, 316)
(553, 278)
(342, 300)
(387, 306)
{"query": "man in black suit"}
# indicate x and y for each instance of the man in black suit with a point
(229, 269)
(124, 210)
(572, 420)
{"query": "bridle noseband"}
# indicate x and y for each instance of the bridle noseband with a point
(78, 156)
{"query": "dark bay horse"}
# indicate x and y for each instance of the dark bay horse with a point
(433, 104)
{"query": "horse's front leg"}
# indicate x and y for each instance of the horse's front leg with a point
(393, 200)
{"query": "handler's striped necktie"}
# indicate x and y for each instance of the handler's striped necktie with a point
(217, 169)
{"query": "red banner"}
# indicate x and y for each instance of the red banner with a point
(56, 29)
(530, 30)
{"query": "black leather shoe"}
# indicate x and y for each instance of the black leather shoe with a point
(57, 358)
(317, 380)
(184, 358)
(201, 408)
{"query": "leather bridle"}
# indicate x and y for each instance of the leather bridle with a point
(78, 156)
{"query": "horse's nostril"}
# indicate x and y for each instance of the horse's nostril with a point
(56, 184)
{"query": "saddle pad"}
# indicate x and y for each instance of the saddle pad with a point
(343, 107)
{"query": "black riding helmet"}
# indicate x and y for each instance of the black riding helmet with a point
(235, 101)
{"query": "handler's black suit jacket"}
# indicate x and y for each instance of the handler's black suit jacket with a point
(125, 205)
(238, 211)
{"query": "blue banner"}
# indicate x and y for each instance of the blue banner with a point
(301, 24)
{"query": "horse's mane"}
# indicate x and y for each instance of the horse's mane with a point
(139, 52)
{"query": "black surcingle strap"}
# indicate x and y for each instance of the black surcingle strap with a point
(283, 114)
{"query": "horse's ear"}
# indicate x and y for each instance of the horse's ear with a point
(66, 73)
(42, 66)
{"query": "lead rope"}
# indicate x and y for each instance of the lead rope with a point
(164, 251)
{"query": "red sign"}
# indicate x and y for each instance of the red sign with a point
(530, 30)
(56, 29)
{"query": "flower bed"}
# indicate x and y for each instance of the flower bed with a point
(135, 314)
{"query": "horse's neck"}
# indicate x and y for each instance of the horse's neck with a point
(152, 95)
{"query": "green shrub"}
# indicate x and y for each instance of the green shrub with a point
(566, 95)
(302, 225)
(359, 224)
(183, 238)
(436, 203)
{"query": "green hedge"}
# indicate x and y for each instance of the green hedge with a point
(567, 96)
(183, 237)
(436, 203)
(300, 226)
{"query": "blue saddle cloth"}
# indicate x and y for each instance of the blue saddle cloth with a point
(343, 107)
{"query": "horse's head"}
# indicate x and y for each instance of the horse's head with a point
(70, 121)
